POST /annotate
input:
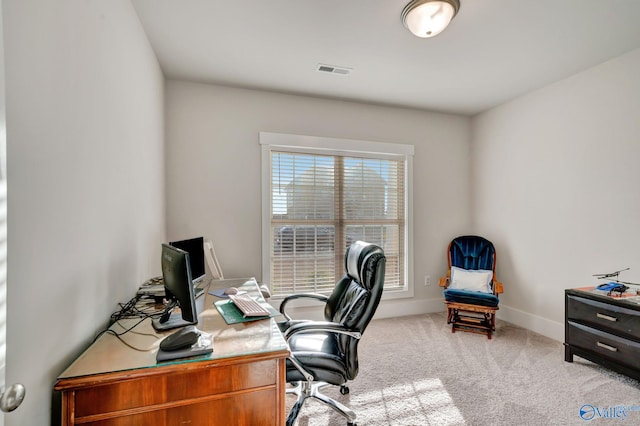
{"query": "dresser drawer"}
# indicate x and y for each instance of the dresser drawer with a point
(608, 317)
(615, 348)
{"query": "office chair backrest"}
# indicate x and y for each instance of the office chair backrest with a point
(356, 296)
(472, 252)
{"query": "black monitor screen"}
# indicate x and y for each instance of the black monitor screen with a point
(178, 287)
(195, 248)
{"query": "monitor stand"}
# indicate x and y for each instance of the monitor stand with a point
(175, 321)
(199, 287)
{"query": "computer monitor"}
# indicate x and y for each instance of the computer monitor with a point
(178, 287)
(195, 248)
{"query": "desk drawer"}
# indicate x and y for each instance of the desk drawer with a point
(174, 388)
(255, 409)
(615, 348)
(604, 316)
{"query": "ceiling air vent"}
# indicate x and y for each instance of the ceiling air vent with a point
(332, 69)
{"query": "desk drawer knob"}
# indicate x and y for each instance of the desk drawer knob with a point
(607, 347)
(606, 317)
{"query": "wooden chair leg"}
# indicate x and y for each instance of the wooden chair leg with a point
(451, 315)
(481, 321)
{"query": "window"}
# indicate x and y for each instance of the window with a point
(322, 194)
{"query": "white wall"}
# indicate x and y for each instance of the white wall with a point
(85, 180)
(556, 177)
(213, 171)
(3, 221)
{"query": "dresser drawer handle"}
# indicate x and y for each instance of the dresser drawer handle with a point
(607, 317)
(607, 347)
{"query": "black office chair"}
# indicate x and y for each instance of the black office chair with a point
(326, 352)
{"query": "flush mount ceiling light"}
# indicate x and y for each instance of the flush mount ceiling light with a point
(428, 18)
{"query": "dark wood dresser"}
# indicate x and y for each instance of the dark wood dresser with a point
(603, 329)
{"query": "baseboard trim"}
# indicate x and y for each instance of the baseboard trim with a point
(552, 329)
(404, 307)
(386, 309)
(546, 327)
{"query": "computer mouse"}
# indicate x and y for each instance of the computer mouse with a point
(266, 293)
(231, 290)
(181, 339)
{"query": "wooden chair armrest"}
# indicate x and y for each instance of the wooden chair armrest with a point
(444, 281)
(497, 286)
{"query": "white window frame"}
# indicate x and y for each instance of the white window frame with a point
(333, 146)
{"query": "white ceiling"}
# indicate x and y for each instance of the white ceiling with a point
(493, 51)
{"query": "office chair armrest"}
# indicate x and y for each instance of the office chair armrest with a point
(308, 376)
(322, 326)
(287, 299)
(497, 287)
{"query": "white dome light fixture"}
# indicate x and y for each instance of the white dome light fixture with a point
(428, 18)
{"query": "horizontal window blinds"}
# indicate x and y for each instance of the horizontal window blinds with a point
(320, 204)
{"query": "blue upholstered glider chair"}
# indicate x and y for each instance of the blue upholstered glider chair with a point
(471, 288)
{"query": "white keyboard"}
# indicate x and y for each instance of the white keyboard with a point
(248, 305)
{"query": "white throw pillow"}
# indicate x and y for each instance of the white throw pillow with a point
(473, 280)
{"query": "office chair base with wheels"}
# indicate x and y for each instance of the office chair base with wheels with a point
(306, 390)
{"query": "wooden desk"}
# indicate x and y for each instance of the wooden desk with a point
(242, 382)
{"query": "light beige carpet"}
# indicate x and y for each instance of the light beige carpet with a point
(414, 371)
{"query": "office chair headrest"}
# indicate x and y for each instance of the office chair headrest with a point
(356, 259)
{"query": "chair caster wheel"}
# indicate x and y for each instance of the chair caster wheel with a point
(345, 390)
